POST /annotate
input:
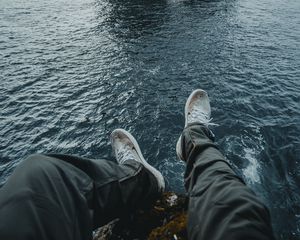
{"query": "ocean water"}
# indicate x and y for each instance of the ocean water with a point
(72, 71)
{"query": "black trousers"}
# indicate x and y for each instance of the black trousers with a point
(65, 197)
(221, 206)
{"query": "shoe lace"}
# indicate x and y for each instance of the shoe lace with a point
(199, 116)
(125, 153)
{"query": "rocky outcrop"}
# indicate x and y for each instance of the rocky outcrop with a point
(164, 220)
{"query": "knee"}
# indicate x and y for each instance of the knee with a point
(36, 165)
(39, 160)
(35, 157)
(32, 175)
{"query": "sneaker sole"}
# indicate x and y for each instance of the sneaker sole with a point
(156, 173)
(178, 149)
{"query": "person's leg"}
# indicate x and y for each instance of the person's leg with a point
(66, 197)
(221, 206)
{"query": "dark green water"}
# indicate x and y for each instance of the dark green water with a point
(132, 64)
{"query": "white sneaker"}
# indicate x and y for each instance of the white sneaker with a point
(197, 110)
(125, 148)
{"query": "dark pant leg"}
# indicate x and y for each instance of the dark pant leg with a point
(221, 206)
(65, 197)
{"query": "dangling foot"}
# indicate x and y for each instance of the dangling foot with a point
(126, 148)
(197, 110)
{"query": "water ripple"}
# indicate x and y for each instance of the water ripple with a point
(72, 71)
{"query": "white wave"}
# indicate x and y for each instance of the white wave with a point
(251, 172)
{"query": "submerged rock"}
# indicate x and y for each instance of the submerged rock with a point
(164, 220)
